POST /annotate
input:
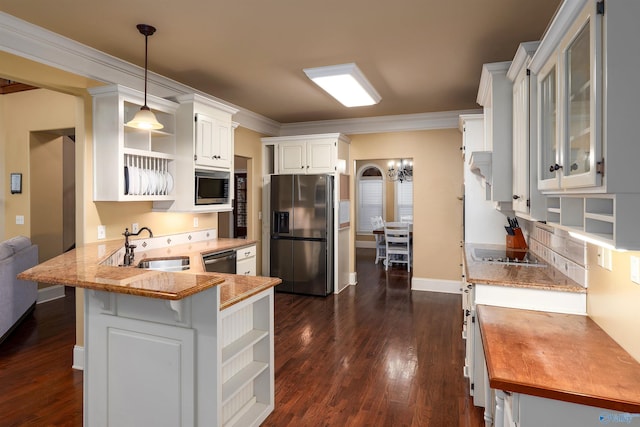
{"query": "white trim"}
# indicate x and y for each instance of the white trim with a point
(488, 71)
(50, 293)
(523, 55)
(369, 244)
(78, 358)
(436, 285)
(380, 124)
(558, 27)
(29, 41)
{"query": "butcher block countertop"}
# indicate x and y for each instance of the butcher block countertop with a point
(539, 277)
(82, 268)
(558, 356)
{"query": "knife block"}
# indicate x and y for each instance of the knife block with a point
(517, 240)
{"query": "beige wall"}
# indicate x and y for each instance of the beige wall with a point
(248, 144)
(24, 113)
(437, 210)
(612, 300)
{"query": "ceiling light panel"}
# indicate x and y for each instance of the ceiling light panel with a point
(346, 83)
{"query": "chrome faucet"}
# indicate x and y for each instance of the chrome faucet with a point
(128, 248)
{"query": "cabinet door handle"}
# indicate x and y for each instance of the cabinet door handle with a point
(247, 253)
(555, 167)
(516, 197)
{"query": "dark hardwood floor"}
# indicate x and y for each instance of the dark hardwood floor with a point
(377, 354)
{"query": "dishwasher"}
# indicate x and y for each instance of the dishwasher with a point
(220, 262)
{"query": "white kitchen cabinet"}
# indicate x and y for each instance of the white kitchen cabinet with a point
(131, 164)
(246, 261)
(495, 95)
(308, 157)
(213, 142)
(186, 362)
(204, 142)
(527, 199)
(586, 67)
(571, 102)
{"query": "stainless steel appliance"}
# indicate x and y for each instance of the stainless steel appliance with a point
(220, 262)
(211, 187)
(302, 233)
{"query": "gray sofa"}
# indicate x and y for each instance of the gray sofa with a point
(17, 297)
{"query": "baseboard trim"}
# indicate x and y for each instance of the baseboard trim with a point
(371, 244)
(78, 358)
(50, 293)
(436, 285)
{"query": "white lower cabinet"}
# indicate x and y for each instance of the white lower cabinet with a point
(154, 362)
(246, 261)
(523, 410)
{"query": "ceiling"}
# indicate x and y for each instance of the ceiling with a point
(421, 55)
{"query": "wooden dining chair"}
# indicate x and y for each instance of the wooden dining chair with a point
(398, 244)
(381, 248)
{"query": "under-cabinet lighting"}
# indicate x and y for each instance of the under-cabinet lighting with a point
(594, 241)
(346, 83)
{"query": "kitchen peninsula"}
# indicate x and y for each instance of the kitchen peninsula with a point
(170, 348)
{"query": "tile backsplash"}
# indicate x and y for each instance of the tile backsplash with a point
(559, 249)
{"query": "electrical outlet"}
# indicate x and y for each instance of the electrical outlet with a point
(195, 221)
(20, 219)
(635, 269)
(102, 232)
(135, 228)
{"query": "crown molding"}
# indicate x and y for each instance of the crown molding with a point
(522, 58)
(381, 124)
(488, 71)
(559, 25)
(29, 41)
(35, 43)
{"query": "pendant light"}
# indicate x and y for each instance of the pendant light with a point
(145, 119)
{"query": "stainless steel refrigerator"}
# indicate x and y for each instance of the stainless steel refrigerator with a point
(302, 233)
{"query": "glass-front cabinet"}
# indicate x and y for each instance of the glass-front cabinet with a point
(569, 96)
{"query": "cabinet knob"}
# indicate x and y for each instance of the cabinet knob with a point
(301, 167)
(555, 167)
(516, 197)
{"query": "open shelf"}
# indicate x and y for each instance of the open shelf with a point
(243, 343)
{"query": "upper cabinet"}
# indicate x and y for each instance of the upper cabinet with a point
(204, 142)
(570, 100)
(495, 96)
(132, 164)
(205, 128)
(527, 199)
(586, 70)
(305, 154)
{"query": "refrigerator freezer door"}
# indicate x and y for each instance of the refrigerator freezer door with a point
(282, 263)
(310, 267)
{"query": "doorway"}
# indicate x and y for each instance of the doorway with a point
(52, 191)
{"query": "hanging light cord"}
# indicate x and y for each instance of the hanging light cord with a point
(146, 31)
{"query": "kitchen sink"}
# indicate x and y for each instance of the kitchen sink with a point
(165, 264)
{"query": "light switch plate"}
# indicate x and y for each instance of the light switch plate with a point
(195, 221)
(102, 232)
(605, 258)
(135, 227)
(20, 219)
(635, 269)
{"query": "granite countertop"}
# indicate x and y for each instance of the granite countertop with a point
(538, 277)
(82, 268)
(565, 357)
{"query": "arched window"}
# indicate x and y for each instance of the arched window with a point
(370, 196)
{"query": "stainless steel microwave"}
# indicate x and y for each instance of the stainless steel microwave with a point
(212, 188)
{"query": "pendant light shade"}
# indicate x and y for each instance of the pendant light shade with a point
(145, 119)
